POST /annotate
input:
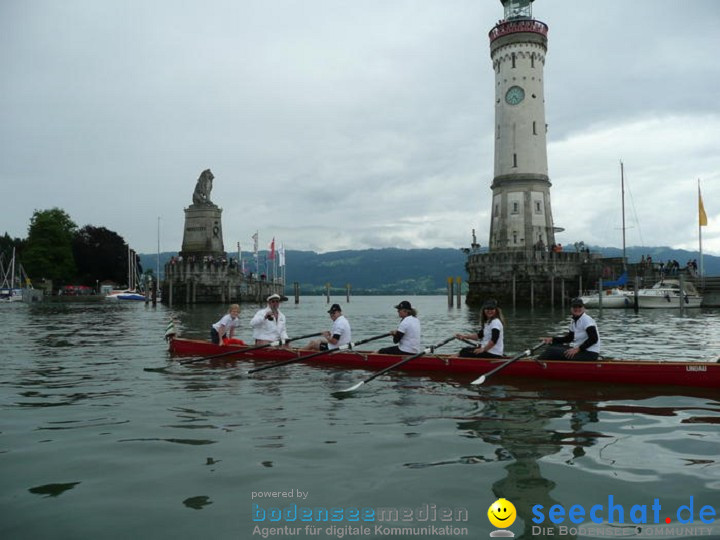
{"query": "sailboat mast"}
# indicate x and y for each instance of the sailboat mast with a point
(622, 190)
(12, 278)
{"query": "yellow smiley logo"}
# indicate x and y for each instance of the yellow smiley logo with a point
(502, 513)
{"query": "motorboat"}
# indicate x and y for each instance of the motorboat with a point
(669, 293)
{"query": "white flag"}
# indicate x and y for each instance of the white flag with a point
(255, 244)
(281, 255)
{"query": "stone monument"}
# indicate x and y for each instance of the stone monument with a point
(203, 222)
(203, 272)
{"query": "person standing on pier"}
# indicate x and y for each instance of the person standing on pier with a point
(490, 334)
(268, 324)
(407, 335)
(583, 337)
(225, 327)
(339, 335)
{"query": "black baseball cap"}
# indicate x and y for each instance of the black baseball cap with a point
(404, 305)
(490, 304)
(577, 302)
(334, 308)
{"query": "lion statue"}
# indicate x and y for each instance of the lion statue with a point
(201, 195)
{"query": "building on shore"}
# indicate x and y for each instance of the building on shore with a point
(524, 265)
(202, 272)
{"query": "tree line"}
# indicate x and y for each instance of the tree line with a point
(56, 249)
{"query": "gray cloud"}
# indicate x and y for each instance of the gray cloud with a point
(333, 125)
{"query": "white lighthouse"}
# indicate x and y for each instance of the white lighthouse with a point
(518, 267)
(521, 212)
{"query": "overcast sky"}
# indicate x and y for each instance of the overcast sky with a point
(337, 124)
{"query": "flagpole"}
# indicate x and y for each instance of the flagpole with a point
(701, 211)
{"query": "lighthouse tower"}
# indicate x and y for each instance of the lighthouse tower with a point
(518, 267)
(521, 213)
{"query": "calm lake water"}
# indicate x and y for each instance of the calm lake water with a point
(93, 446)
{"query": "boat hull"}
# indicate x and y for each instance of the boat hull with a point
(669, 293)
(126, 295)
(613, 300)
(663, 301)
(10, 295)
(693, 374)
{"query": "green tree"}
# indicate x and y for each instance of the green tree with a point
(48, 253)
(99, 254)
(7, 243)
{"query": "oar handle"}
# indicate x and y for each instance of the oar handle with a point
(366, 340)
(443, 342)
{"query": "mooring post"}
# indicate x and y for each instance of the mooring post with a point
(347, 292)
(532, 294)
(450, 291)
(681, 279)
(636, 294)
(296, 290)
(458, 282)
(580, 289)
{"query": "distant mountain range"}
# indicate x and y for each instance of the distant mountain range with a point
(406, 271)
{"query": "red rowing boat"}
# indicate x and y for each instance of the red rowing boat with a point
(696, 374)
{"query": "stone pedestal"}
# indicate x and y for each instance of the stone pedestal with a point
(203, 234)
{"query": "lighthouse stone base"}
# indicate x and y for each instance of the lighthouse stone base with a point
(534, 278)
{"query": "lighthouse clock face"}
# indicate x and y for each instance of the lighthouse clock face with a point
(514, 95)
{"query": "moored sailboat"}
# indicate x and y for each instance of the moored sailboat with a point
(132, 292)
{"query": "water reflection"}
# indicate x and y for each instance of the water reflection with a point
(520, 427)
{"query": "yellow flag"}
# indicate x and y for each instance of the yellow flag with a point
(701, 210)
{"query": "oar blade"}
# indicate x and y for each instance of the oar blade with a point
(354, 388)
(241, 375)
(156, 369)
(479, 380)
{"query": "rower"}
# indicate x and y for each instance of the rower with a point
(583, 337)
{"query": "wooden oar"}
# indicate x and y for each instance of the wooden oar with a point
(482, 378)
(307, 357)
(355, 387)
(236, 350)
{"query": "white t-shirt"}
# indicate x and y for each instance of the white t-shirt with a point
(579, 328)
(340, 327)
(498, 348)
(410, 342)
(229, 323)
